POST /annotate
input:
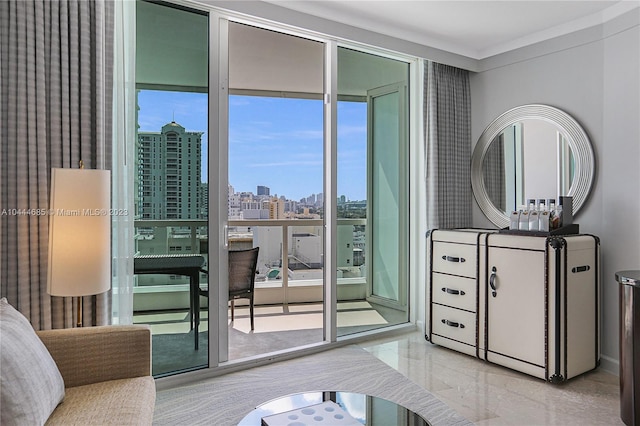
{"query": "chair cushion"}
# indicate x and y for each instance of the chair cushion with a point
(30, 383)
(114, 402)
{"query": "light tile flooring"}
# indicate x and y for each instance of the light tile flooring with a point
(484, 393)
(488, 394)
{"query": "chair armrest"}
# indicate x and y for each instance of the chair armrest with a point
(95, 354)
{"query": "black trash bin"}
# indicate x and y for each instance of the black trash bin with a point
(629, 346)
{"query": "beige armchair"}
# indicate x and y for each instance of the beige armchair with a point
(106, 372)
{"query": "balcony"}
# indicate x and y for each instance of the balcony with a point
(289, 288)
(303, 281)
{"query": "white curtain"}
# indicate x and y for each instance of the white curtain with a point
(55, 109)
(447, 112)
(124, 136)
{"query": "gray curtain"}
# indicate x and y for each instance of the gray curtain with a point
(447, 112)
(55, 103)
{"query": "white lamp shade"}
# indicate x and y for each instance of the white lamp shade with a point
(79, 232)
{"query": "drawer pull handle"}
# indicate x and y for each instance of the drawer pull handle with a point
(577, 269)
(453, 291)
(452, 323)
(453, 259)
(492, 282)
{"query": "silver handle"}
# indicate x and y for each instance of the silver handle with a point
(453, 259)
(453, 323)
(453, 291)
(492, 282)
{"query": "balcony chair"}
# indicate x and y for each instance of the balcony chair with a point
(242, 276)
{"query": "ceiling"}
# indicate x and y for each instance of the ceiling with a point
(476, 29)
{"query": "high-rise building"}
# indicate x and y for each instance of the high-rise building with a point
(204, 200)
(310, 200)
(291, 206)
(263, 190)
(234, 204)
(276, 208)
(169, 173)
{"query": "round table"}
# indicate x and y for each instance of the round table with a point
(331, 408)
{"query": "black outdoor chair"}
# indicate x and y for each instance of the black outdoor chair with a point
(242, 275)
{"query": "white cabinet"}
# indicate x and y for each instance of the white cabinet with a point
(515, 316)
(530, 303)
(454, 290)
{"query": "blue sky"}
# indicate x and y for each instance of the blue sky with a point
(276, 142)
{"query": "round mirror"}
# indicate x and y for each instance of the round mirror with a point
(530, 152)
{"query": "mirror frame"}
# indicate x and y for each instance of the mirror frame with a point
(578, 142)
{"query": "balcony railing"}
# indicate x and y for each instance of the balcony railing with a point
(285, 271)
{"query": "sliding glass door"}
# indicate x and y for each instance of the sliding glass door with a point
(275, 187)
(236, 150)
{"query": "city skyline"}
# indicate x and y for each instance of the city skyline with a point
(273, 142)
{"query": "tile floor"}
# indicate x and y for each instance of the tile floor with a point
(488, 394)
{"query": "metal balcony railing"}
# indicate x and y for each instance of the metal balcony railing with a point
(196, 231)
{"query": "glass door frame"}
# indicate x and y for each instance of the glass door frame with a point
(218, 155)
(220, 91)
(331, 192)
(399, 88)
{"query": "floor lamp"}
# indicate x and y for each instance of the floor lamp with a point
(79, 234)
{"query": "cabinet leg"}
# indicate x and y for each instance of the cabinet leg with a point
(556, 378)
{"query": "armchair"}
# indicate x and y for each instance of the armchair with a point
(87, 376)
(107, 374)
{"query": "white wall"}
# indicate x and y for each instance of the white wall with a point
(596, 80)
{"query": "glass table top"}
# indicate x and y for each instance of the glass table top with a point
(331, 409)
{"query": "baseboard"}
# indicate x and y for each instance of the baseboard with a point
(610, 365)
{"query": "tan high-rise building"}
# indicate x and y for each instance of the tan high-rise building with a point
(276, 208)
(169, 173)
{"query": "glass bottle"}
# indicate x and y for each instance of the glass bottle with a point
(553, 218)
(559, 214)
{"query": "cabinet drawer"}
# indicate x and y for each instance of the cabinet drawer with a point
(454, 291)
(454, 323)
(456, 259)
